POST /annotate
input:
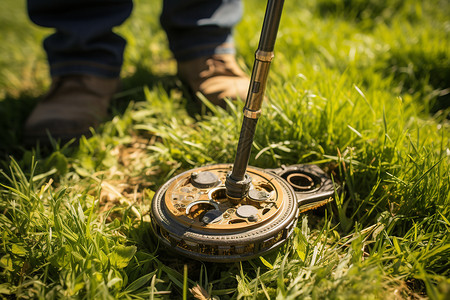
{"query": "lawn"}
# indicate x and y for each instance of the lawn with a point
(361, 88)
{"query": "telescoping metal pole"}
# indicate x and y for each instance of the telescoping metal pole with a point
(238, 182)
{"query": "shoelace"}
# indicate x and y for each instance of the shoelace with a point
(216, 66)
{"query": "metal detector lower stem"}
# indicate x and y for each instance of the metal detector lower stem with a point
(237, 182)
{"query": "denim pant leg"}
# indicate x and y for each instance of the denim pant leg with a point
(196, 28)
(83, 41)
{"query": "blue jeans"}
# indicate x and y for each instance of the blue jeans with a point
(84, 43)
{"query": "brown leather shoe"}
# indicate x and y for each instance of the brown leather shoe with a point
(73, 104)
(216, 77)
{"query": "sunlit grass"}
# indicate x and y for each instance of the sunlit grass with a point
(359, 87)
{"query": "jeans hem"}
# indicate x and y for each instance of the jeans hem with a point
(204, 50)
(84, 67)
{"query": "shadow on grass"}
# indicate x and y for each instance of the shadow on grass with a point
(14, 110)
(133, 90)
(13, 113)
(422, 71)
(369, 11)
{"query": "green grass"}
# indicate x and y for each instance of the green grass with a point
(359, 87)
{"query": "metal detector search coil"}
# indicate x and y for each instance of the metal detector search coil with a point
(197, 219)
(192, 215)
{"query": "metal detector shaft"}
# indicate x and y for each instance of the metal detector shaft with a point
(237, 183)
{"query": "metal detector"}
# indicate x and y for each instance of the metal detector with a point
(234, 212)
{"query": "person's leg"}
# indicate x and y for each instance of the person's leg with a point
(85, 58)
(200, 36)
(83, 42)
(198, 28)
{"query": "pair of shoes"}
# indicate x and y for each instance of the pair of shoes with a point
(73, 105)
(217, 77)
